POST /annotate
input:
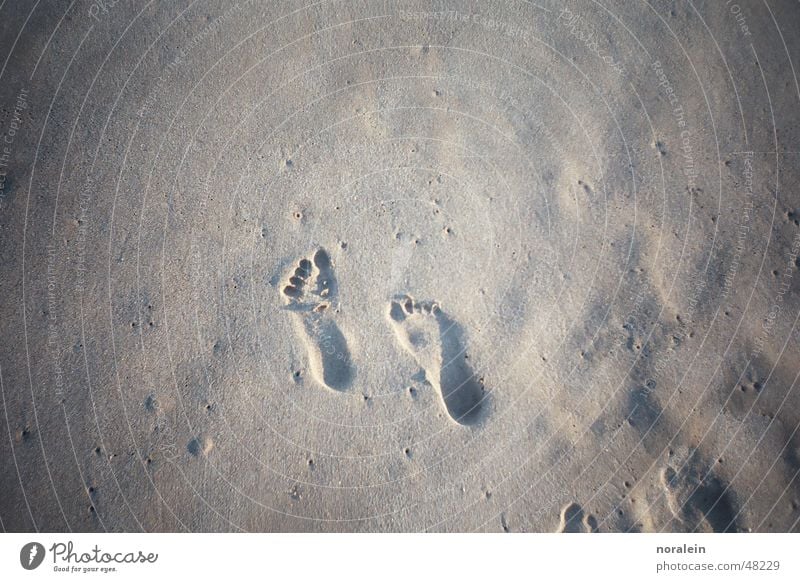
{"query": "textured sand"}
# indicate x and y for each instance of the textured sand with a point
(399, 266)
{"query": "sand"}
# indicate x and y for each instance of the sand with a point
(399, 266)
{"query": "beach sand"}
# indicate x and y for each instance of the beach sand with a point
(400, 266)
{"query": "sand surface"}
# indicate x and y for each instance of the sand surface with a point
(365, 265)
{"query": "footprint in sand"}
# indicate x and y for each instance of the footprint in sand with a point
(311, 296)
(573, 520)
(436, 344)
(699, 500)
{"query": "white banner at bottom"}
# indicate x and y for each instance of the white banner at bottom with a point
(379, 557)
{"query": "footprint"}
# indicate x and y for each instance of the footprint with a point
(699, 500)
(311, 295)
(573, 520)
(436, 344)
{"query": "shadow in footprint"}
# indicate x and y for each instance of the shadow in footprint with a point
(436, 343)
(311, 294)
(574, 520)
(699, 499)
